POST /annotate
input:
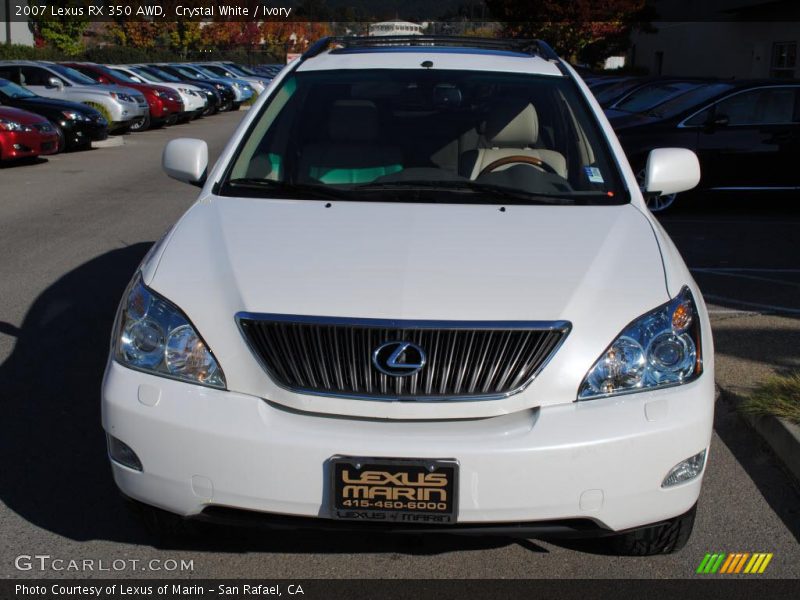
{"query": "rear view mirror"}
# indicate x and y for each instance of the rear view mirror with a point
(186, 159)
(55, 82)
(671, 170)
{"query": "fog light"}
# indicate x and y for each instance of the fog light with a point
(685, 470)
(121, 453)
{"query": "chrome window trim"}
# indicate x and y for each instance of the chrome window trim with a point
(563, 326)
(682, 124)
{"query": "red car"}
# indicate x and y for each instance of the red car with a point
(24, 134)
(165, 103)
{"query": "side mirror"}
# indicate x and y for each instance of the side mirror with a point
(55, 82)
(186, 159)
(671, 170)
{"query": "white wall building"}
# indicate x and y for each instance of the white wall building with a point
(395, 28)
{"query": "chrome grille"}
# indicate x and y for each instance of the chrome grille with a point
(465, 360)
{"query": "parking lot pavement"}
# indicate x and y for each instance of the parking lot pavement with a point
(72, 231)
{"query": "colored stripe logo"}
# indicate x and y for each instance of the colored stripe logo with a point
(734, 563)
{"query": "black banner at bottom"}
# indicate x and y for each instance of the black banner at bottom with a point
(383, 589)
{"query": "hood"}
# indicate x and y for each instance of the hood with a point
(20, 116)
(598, 267)
(47, 105)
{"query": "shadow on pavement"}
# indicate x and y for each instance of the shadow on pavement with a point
(757, 460)
(52, 447)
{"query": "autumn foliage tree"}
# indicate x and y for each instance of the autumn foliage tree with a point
(580, 30)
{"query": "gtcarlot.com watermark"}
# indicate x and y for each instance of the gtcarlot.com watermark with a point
(46, 562)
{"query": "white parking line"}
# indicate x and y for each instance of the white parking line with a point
(764, 307)
(751, 277)
(744, 270)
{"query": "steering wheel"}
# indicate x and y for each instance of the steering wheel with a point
(518, 158)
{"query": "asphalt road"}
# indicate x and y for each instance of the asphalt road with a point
(72, 231)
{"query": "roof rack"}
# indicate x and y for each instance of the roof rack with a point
(523, 46)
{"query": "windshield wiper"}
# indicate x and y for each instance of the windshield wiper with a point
(309, 189)
(496, 191)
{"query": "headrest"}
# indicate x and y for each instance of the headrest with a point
(353, 121)
(512, 124)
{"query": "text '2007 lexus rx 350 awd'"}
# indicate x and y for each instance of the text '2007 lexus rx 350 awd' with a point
(420, 290)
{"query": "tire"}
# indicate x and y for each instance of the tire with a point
(666, 538)
(226, 106)
(62, 139)
(656, 204)
(236, 106)
(142, 124)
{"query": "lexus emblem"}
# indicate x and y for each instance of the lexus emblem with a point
(398, 359)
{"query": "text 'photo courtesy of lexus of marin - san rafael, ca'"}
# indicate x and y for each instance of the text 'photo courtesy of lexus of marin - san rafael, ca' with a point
(425, 294)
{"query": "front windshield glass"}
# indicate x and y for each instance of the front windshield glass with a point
(426, 136)
(9, 89)
(117, 75)
(241, 70)
(689, 100)
(651, 95)
(187, 72)
(205, 72)
(73, 75)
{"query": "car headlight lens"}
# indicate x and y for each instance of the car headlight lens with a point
(154, 335)
(9, 125)
(661, 348)
(73, 115)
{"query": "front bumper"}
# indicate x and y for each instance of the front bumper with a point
(601, 461)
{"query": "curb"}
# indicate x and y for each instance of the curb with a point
(109, 142)
(781, 436)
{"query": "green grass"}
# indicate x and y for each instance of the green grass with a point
(778, 396)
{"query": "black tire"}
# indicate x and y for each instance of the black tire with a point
(142, 124)
(666, 538)
(236, 105)
(657, 204)
(62, 139)
(226, 106)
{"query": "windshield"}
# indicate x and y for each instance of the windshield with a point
(154, 74)
(205, 72)
(73, 75)
(689, 100)
(187, 72)
(651, 95)
(117, 75)
(9, 89)
(241, 70)
(426, 136)
(615, 91)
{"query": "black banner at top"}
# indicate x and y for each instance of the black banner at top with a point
(400, 10)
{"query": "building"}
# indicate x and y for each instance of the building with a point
(729, 38)
(395, 28)
(11, 31)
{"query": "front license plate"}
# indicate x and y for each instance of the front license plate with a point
(394, 490)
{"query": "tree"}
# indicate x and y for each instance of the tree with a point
(62, 33)
(579, 30)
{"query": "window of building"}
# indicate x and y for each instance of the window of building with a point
(784, 59)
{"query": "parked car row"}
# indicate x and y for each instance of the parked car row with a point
(48, 107)
(746, 133)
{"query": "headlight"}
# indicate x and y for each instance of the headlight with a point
(153, 335)
(122, 97)
(74, 115)
(661, 348)
(9, 125)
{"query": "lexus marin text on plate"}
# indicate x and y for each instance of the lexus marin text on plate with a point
(420, 290)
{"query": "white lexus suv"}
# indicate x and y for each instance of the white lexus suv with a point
(419, 291)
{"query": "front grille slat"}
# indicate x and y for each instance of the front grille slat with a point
(329, 356)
